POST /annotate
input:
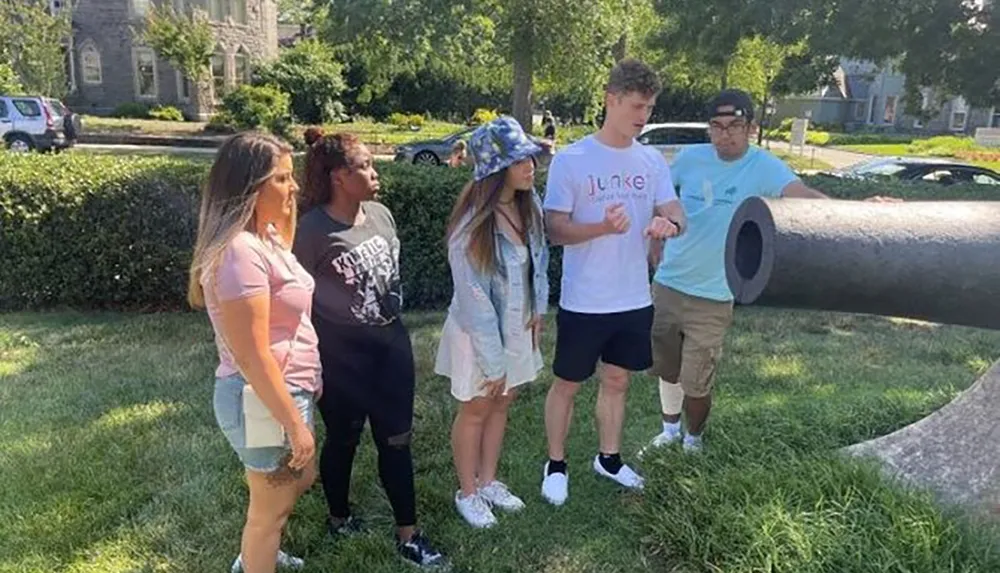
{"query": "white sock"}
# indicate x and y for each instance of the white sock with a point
(671, 427)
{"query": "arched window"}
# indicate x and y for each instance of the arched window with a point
(242, 62)
(90, 63)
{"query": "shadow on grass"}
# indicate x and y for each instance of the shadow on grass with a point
(118, 465)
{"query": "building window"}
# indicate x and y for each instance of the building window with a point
(90, 62)
(219, 75)
(958, 121)
(183, 88)
(243, 71)
(145, 73)
(959, 115)
(140, 8)
(859, 111)
(238, 11)
(215, 10)
(890, 110)
(995, 122)
(871, 109)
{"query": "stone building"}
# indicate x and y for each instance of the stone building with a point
(109, 66)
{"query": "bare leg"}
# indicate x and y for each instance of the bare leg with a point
(558, 414)
(272, 498)
(611, 407)
(493, 432)
(697, 410)
(466, 441)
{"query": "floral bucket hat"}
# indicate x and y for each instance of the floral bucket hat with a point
(499, 144)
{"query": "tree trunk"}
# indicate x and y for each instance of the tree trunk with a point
(523, 78)
(201, 96)
(724, 80)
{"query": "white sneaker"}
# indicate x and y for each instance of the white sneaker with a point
(283, 560)
(555, 487)
(475, 510)
(692, 444)
(664, 438)
(496, 494)
(625, 476)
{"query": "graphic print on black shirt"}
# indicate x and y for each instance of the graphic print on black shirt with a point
(371, 270)
(356, 267)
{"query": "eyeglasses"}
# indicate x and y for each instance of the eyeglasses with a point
(731, 129)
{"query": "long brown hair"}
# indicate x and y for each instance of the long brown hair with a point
(228, 199)
(478, 203)
(326, 154)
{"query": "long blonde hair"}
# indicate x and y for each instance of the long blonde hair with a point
(478, 202)
(243, 163)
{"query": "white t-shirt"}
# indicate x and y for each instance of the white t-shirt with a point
(610, 273)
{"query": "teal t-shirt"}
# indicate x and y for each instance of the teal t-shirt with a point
(710, 190)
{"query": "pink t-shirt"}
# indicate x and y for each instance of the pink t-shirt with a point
(249, 267)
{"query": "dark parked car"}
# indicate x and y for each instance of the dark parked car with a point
(437, 151)
(927, 169)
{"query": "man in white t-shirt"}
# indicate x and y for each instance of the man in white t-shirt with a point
(607, 196)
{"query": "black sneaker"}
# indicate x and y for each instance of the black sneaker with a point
(350, 527)
(419, 552)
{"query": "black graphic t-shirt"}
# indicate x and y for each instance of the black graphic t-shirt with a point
(356, 267)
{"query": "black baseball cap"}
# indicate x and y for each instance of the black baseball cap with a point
(739, 100)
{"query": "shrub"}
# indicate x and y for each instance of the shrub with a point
(166, 113)
(131, 110)
(96, 231)
(407, 121)
(483, 115)
(90, 231)
(253, 107)
(310, 73)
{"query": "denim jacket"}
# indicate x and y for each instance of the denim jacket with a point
(488, 306)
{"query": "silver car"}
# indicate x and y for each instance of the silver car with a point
(437, 151)
(31, 122)
(669, 138)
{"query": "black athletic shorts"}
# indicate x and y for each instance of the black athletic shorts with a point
(621, 339)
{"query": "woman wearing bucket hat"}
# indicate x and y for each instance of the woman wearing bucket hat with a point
(489, 346)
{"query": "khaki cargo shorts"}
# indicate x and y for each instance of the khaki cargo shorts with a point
(687, 338)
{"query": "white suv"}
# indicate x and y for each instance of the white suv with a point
(669, 138)
(31, 122)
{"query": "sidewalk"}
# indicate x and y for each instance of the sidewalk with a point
(838, 158)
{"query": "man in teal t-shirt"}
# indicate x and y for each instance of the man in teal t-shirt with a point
(692, 301)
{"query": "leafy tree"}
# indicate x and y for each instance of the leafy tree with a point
(32, 39)
(187, 42)
(9, 82)
(309, 72)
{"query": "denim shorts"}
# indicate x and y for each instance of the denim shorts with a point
(228, 404)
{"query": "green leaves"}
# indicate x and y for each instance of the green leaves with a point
(31, 40)
(310, 73)
(186, 41)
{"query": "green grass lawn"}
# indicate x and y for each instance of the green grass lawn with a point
(802, 162)
(112, 462)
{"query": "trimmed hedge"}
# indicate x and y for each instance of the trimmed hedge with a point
(95, 231)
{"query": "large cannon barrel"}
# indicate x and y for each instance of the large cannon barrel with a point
(935, 260)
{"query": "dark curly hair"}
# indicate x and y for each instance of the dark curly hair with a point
(326, 154)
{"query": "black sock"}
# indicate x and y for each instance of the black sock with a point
(557, 466)
(612, 462)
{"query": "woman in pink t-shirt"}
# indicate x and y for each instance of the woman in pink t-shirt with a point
(259, 300)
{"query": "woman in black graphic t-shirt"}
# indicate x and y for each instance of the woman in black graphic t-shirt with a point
(348, 242)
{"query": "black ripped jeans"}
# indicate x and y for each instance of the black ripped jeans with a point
(368, 374)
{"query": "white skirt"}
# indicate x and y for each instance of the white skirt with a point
(457, 361)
